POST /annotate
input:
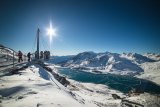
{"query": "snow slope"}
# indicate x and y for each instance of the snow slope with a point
(151, 71)
(28, 89)
(34, 87)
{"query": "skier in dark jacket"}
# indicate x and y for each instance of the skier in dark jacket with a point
(29, 56)
(20, 56)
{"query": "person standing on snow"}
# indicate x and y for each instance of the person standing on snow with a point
(29, 56)
(41, 55)
(20, 56)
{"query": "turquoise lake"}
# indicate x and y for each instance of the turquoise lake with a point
(122, 83)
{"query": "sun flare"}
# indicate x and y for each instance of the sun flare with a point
(51, 32)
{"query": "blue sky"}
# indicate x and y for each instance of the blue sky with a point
(83, 25)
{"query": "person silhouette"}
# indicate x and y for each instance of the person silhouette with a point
(20, 54)
(29, 56)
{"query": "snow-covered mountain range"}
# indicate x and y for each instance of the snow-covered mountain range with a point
(108, 61)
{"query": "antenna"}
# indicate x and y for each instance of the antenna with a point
(38, 30)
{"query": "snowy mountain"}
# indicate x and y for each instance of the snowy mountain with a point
(138, 58)
(153, 56)
(108, 61)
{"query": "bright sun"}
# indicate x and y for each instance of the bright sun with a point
(51, 32)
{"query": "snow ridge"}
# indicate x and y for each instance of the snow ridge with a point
(108, 61)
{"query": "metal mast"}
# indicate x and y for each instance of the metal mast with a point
(38, 43)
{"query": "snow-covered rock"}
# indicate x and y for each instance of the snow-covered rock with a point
(146, 99)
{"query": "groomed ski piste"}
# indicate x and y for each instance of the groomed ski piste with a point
(34, 86)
